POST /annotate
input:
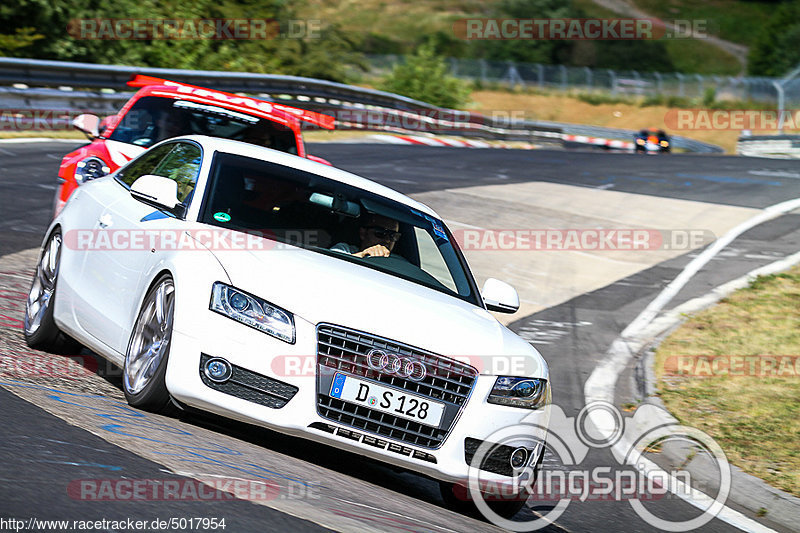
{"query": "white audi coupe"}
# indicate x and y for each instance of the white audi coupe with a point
(274, 290)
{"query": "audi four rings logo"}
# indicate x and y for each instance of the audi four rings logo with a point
(392, 363)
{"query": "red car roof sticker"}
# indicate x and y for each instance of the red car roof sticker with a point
(319, 119)
(275, 117)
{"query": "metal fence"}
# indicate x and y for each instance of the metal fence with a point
(612, 82)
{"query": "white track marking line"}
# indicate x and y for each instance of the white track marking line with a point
(669, 292)
(602, 382)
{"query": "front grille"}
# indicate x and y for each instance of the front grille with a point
(345, 350)
(252, 387)
(373, 441)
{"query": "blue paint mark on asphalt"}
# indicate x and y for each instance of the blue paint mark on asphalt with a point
(728, 179)
(688, 179)
(132, 423)
(639, 178)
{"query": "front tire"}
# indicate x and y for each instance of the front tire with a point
(40, 329)
(145, 369)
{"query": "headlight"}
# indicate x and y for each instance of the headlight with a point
(530, 393)
(89, 169)
(664, 143)
(639, 141)
(252, 311)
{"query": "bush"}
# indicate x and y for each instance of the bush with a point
(602, 98)
(653, 100)
(709, 96)
(424, 77)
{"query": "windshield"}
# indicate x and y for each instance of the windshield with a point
(338, 220)
(153, 119)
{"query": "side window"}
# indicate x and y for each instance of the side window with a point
(182, 164)
(144, 164)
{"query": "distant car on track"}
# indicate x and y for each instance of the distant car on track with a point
(652, 140)
(392, 357)
(162, 109)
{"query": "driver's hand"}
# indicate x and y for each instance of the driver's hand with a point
(378, 250)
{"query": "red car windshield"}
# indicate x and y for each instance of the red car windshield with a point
(153, 119)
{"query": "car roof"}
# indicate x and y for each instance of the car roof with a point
(260, 152)
(158, 87)
(164, 91)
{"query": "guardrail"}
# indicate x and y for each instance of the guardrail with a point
(60, 85)
(776, 146)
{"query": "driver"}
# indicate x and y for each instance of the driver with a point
(378, 236)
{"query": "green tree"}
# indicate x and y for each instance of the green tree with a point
(22, 38)
(777, 48)
(424, 77)
(327, 54)
(531, 51)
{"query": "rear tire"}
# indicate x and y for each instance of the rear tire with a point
(40, 329)
(145, 369)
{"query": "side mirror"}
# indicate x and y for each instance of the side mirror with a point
(156, 190)
(88, 124)
(106, 123)
(500, 296)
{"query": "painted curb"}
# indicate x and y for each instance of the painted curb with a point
(748, 491)
(601, 384)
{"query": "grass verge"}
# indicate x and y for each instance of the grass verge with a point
(61, 134)
(578, 109)
(755, 418)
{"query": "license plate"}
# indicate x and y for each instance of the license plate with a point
(387, 400)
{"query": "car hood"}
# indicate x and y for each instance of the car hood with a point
(319, 288)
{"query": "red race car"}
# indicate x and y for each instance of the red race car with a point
(162, 109)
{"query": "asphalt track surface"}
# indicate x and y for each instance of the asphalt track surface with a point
(42, 453)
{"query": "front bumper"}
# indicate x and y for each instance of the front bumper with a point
(292, 371)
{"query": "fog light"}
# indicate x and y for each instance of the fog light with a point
(519, 457)
(218, 370)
